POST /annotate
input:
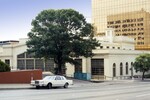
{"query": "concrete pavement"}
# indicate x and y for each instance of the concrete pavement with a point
(14, 86)
(77, 83)
(84, 91)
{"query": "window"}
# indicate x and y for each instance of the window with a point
(21, 55)
(20, 64)
(29, 55)
(140, 19)
(118, 22)
(62, 78)
(78, 67)
(127, 68)
(27, 61)
(131, 68)
(101, 47)
(49, 65)
(29, 64)
(39, 63)
(58, 78)
(114, 70)
(97, 66)
(121, 69)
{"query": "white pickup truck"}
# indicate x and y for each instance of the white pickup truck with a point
(52, 81)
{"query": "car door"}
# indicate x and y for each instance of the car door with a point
(63, 80)
(58, 81)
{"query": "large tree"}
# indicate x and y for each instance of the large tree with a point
(142, 64)
(61, 35)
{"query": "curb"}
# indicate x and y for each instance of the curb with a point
(15, 88)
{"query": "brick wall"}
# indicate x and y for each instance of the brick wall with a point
(24, 76)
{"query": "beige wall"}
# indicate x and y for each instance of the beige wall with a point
(70, 70)
(11, 51)
(110, 57)
(16, 51)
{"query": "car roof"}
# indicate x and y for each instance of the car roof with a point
(55, 76)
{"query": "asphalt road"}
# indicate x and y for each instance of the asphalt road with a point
(89, 91)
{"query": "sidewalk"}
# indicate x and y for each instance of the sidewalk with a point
(14, 86)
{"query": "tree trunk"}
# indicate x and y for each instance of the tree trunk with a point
(143, 75)
(58, 61)
(132, 72)
(59, 69)
(56, 71)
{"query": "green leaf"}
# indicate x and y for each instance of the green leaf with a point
(60, 34)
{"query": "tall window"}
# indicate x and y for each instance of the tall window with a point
(78, 67)
(97, 66)
(127, 68)
(121, 69)
(114, 70)
(132, 69)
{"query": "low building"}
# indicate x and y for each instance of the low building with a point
(14, 53)
(112, 60)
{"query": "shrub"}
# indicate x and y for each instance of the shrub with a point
(4, 67)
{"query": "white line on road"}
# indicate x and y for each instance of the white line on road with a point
(143, 95)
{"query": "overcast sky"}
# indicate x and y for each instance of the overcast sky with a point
(16, 15)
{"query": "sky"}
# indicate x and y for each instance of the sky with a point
(16, 15)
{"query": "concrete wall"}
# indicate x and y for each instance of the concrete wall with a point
(16, 51)
(11, 51)
(20, 76)
(110, 57)
(70, 70)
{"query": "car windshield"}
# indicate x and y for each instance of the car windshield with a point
(49, 78)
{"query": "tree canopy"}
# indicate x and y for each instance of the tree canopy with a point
(142, 64)
(61, 35)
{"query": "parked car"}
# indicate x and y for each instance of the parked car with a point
(52, 81)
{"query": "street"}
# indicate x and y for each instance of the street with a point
(89, 91)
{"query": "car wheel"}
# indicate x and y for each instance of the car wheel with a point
(49, 86)
(66, 85)
(37, 87)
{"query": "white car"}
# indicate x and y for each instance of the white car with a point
(52, 81)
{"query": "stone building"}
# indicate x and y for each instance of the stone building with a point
(112, 60)
(14, 53)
